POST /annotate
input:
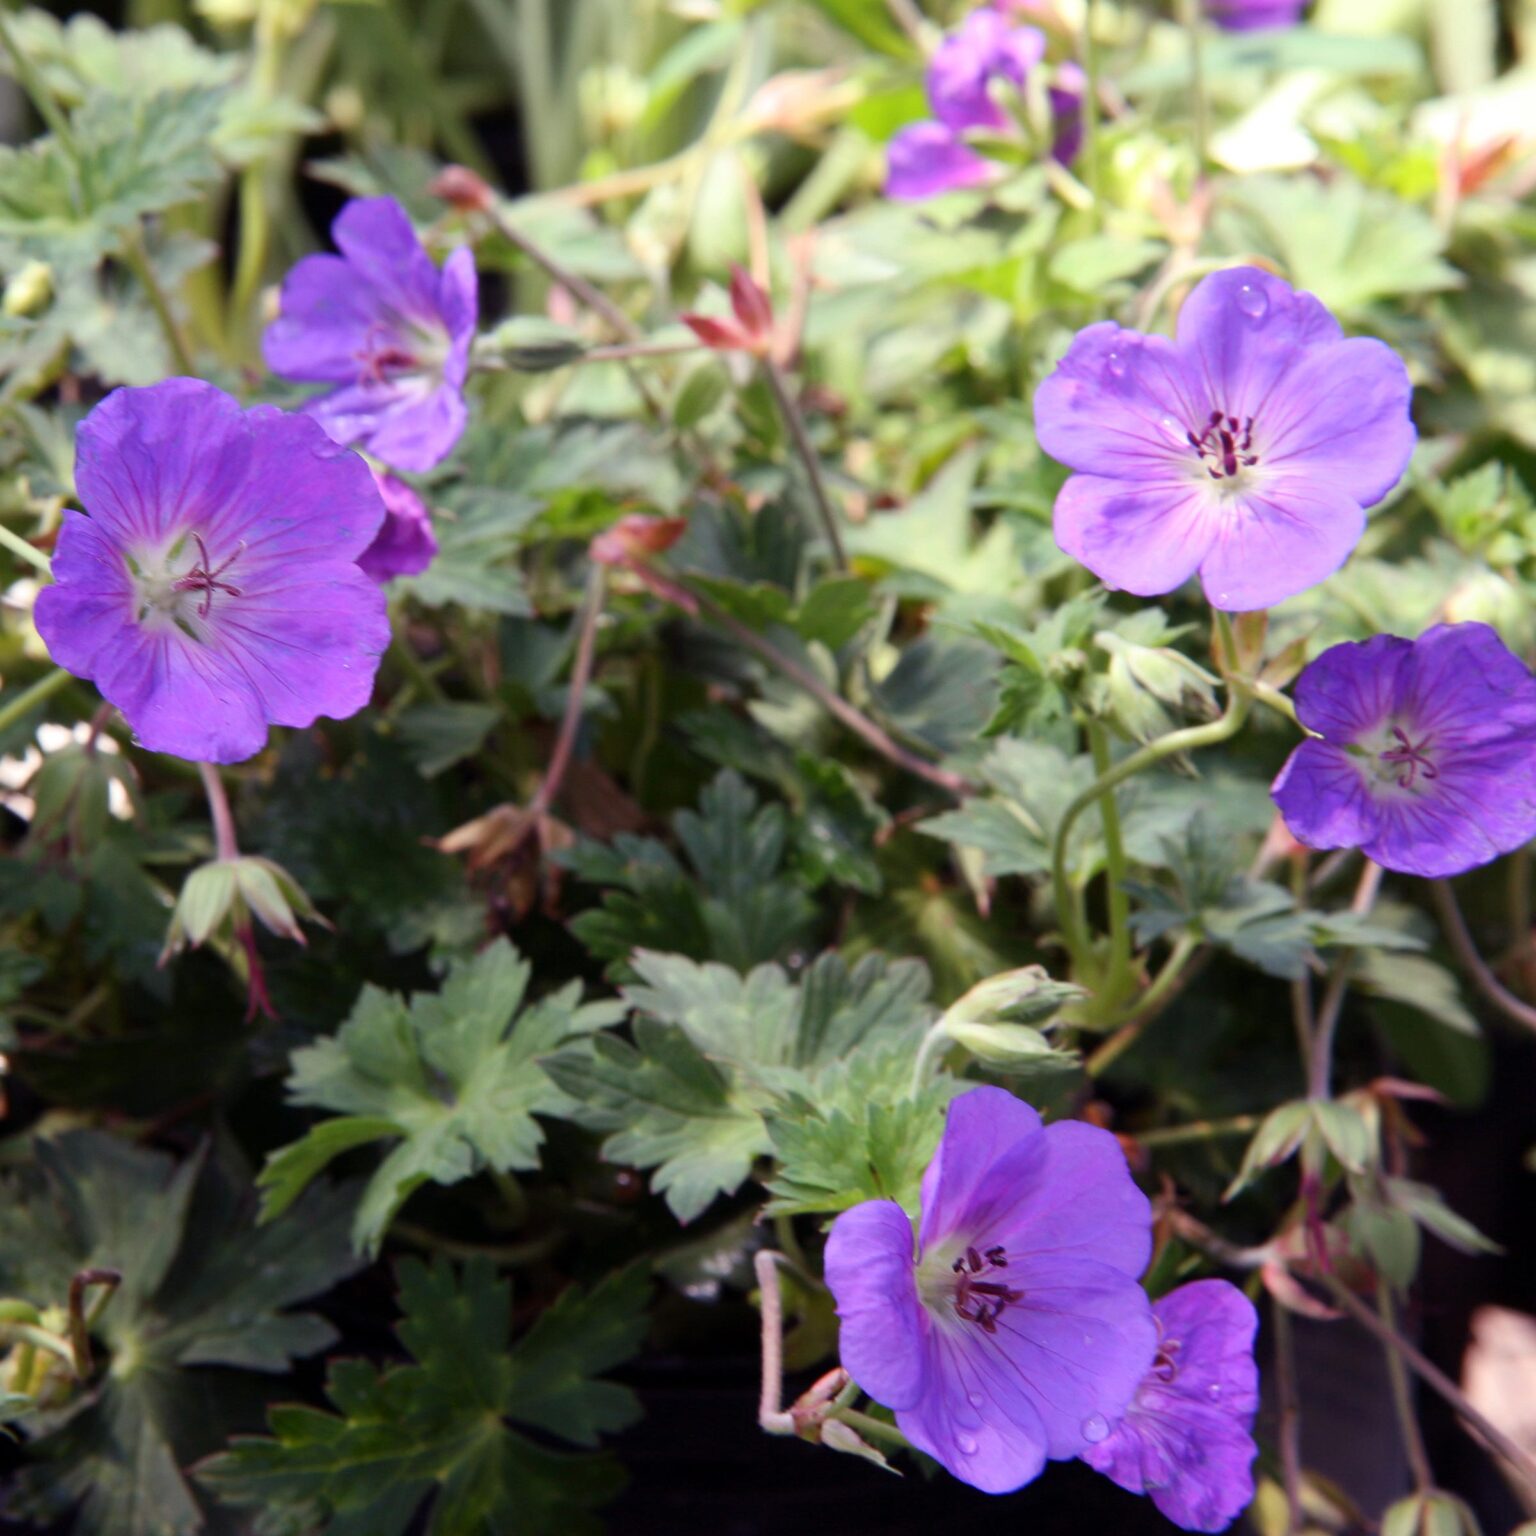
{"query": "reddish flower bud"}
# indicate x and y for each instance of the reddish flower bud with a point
(461, 188)
(752, 306)
(635, 537)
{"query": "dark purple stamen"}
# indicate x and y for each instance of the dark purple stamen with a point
(1411, 757)
(201, 579)
(1225, 445)
(382, 355)
(982, 1301)
(1164, 1364)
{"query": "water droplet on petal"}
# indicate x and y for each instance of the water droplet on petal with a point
(976, 1400)
(1095, 1428)
(966, 1444)
(1214, 1391)
(1253, 302)
(1117, 365)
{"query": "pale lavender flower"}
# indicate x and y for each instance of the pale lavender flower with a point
(405, 544)
(1254, 15)
(214, 589)
(931, 157)
(1186, 1438)
(388, 329)
(1426, 751)
(1246, 448)
(1018, 1332)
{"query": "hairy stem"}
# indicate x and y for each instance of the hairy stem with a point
(25, 550)
(29, 698)
(218, 808)
(576, 692)
(770, 1414)
(1175, 975)
(138, 261)
(1465, 949)
(1091, 108)
(1199, 1130)
(1289, 1434)
(794, 421)
(1189, 15)
(1119, 902)
(1402, 1397)
(861, 725)
(1320, 1067)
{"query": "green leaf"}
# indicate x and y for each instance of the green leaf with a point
(1428, 1208)
(479, 533)
(715, 1051)
(869, 24)
(453, 1075)
(1416, 982)
(734, 899)
(834, 611)
(436, 736)
(437, 1428)
(200, 1288)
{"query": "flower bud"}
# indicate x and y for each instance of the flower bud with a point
(529, 344)
(29, 291)
(977, 1021)
(637, 537)
(462, 189)
(1429, 1514)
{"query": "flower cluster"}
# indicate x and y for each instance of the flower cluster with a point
(985, 56)
(1018, 1332)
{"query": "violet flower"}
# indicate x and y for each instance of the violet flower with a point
(931, 157)
(1254, 15)
(1246, 448)
(1427, 753)
(405, 544)
(213, 589)
(1019, 1332)
(1186, 1438)
(388, 329)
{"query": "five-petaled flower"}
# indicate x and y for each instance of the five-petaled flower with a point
(1254, 15)
(1019, 1332)
(214, 589)
(1246, 448)
(1425, 757)
(1186, 1438)
(388, 329)
(405, 544)
(933, 156)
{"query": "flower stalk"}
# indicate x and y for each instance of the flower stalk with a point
(1459, 936)
(29, 698)
(25, 550)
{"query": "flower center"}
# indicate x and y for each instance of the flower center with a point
(382, 356)
(1165, 1363)
(162, 592)
(1225, 445)
(1409, 759)
(977, 1300)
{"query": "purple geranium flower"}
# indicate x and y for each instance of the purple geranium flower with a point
(406, 544)
(385, 326)
(930, 157)
(1186, 1438)
(1246, 448)
(213, 588)
(1427, 752)
(1253, 15)
(1018, 1332)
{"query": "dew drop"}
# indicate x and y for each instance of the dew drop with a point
(1253, 302)
(966, 1444)
(976, 1400)
(1117, 365)
(1214, 1391)
(1095, 1428)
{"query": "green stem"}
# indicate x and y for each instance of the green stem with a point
(933, 1046)
(1115, 872)
(255, 224)
(415, 669)
(40, 1338)
(29, 698)
(1198, 1130)
(1091, 109)
(29, 552)
(789, 410)
(1189, 16)
(139, 264)
(512, 1192)
(1191, 739)
(1320, 1069)
(1289, 1435)
(1465, 949)
(1165, 987)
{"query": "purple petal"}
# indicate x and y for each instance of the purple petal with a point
(1352, 688)
(407, 423)
(1145, 538)
(972, 1418)
(1322, 795)
(327, 323)
(1245, 330)
(1468, 820)
(1066, 1359)
(89, 609)
(985, 46)
(149, 462)
(305, 499)
(926, 159)
(1253, 15)
(1462, 678)
(380, 245)
(1277, 538)
(405, 545)
(1121, 404)
(870, 1272)
(1083, 1204)
(459, 305)
(983, 1127)
(1341, 417)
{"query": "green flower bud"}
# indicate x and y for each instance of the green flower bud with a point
(994, 1020)
(227, 893)
(1430, 1514)
(29, 292)
(527, 344)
